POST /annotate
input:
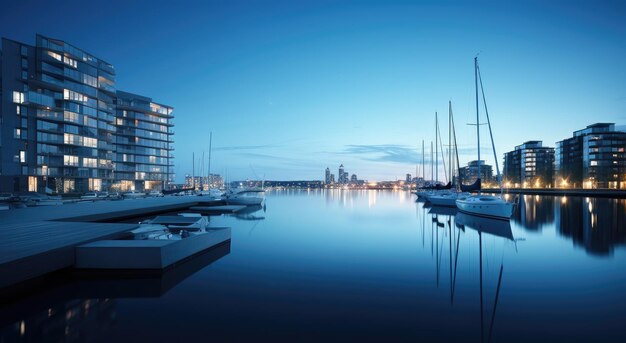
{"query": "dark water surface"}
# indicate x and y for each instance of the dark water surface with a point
(363, 266)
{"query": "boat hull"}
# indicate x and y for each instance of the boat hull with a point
(485, 206)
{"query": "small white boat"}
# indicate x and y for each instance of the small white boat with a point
(171, 227)
(89, 196)
(244, 197)
(155, 194)
(134, 194)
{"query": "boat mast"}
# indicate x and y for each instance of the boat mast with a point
(432, 171)
(450, 138)
(436, 150)
(493, 146)
(423, 171)
(456, 150)
(208, 174)
(193, 171)
(477, 116)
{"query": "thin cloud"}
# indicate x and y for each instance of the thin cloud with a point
(244, 147)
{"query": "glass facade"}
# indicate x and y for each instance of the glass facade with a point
(593, 158)
(529, 165)
(143, 143)
(65, 125)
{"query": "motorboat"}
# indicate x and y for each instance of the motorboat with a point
(134, 194)
(246, 196)
(38, 199)
(155, 194)
(89, 196)
(171, 227)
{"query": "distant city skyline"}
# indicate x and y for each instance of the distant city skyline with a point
(290, 88)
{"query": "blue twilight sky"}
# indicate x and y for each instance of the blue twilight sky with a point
(289, 88)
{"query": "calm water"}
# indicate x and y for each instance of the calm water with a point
(363, 266)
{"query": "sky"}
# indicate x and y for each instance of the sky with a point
(290, 88)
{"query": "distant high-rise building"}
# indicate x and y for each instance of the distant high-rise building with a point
(340, 174)
(332, 178)
(594, 157)
(327, 176)
(529, 165)
(353, 178)
(408, 178)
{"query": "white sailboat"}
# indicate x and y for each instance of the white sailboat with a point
(449, 198)
(485, 205)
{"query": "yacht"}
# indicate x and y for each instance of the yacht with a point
(246, 196)
(492, 206)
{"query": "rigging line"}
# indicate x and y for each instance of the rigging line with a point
(456, 260)
(443, 158)
(456, 149)
(495, 155)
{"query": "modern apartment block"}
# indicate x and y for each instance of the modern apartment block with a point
(469, 173)
(529, 165)
(63, 119)
(143, 143)
(593, 158)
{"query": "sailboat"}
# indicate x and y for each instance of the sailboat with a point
(212, 193)
(485, 205)
(448, 199)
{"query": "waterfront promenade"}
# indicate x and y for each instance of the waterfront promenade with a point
(591, 193)
(38, 240)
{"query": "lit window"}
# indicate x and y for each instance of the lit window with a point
(18, 134)
(54, 55)
(18, 97)
(593, 163)
(70, 160)
(22, 156)
(70, 62)
(90, 142)
(90, 162)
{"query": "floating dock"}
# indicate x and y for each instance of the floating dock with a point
(35, 241)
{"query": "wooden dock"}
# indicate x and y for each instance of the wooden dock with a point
(38, 240)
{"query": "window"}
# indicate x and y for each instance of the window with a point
(54, 55)
(71, 129)
(70, 116)
(90, 142)
(70, 160)
(17, 134)
(70, 62)
(24, 74)
(90, 162)
(593, 163)
(24, 50)
(32, 184)
(18, 97)
(24, 63)
(22, 156)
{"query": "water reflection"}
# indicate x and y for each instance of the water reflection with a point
(81, 306)
(596, 224)
(446, 221)
(534, 211)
